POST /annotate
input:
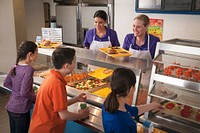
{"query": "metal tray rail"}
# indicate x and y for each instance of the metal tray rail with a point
(176, 94)
(92, 99)
(174, 124)
(178, 66)
(193, 86)
(176, 113)
(180, 45)
(175, 58)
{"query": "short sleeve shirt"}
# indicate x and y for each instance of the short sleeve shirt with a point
(119, 121)
(51, 98)
(92, 34)
(130, 39)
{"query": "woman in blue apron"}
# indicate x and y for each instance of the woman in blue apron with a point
(101, 36)
(141, 44)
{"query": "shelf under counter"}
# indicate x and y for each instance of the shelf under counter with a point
(177, 82)
(173, 124)
(179, 45)
(2, 78)
(176, 94)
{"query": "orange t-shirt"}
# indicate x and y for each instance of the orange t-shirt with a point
(51, 98)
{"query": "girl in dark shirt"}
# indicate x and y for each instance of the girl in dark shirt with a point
(20, 81)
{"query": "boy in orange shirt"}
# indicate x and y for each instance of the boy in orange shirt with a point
(51, 107)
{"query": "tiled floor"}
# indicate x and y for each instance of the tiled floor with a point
(4, 121)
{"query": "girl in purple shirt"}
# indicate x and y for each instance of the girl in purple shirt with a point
(20, 81)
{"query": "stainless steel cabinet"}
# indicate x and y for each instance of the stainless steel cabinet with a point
(75, 17)
(67, 18)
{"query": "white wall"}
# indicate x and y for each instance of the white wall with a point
(175, 25)
(20, 23)
(34, 18)
(20, 20)
(7, 36)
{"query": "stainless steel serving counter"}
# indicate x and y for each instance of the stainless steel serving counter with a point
(2, 78)
(97, 58)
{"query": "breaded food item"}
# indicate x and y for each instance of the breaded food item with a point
(112, 51)
(46, 42)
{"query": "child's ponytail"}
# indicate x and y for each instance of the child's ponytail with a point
(111, 103)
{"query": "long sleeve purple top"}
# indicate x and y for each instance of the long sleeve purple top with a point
(21, 84)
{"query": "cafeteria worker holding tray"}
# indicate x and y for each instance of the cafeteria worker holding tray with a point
(100, 36)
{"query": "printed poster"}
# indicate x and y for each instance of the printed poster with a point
(52, 34)
(156, 27)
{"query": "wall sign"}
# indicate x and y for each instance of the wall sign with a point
(156, 27)
(52, 34)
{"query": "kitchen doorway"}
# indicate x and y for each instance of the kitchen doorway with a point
(46, 14)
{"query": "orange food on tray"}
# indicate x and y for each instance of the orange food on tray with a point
(183, 72)
(196, 76)
(75, 77)
(167, 71)
(188, 74)
(179, 72)
(171, 67)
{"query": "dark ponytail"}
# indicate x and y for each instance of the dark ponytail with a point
(121, 82)
(111, 103)
(24, 48)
